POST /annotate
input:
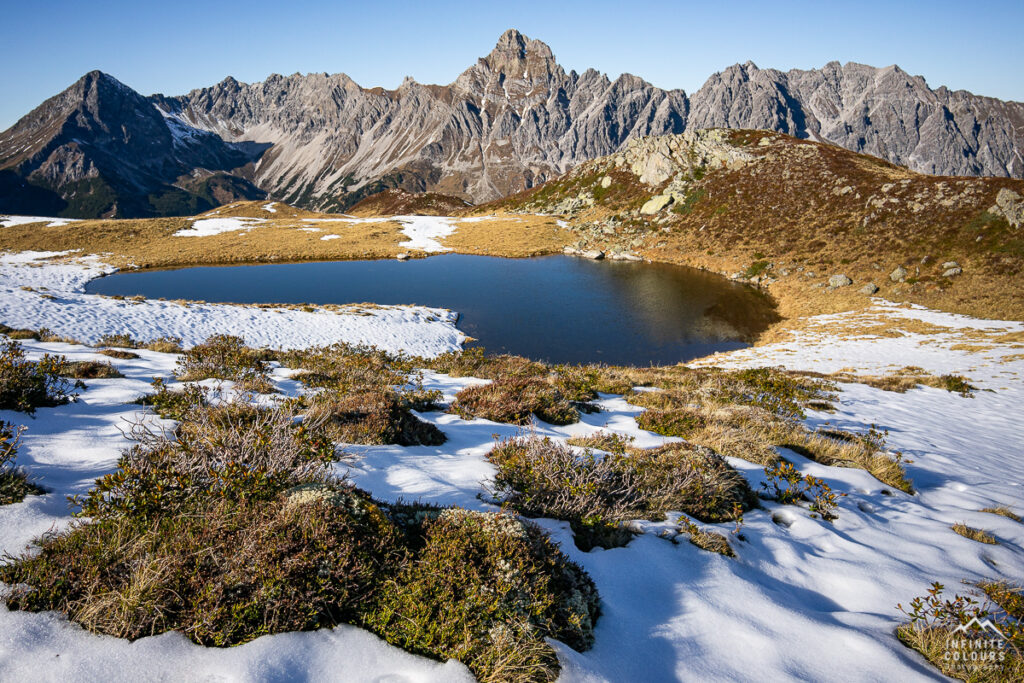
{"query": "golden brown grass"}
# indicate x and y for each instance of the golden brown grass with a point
(978, 535)
(1003, 511)
(932, 643)
(513, 236)
(151, 242)
(707, 539)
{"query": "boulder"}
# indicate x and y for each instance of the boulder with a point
(655, 204)
(839, 280)
(899, 274)
(950, 264)
(869, 289)
(402, 256)
(606, 182)
(1009, 205)
(594, 254)
(952, 272)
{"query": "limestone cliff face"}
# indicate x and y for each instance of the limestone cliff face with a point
(511, 121)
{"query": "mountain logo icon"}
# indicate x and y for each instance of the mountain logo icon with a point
(985, 625)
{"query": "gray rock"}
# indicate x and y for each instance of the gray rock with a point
(950, 264)
(1009, 205)
(869, 288)
(839, 281)
(402, 256)
(593, 254)
(655, 204)
(606, 182)
(952, 272)
(899, 274)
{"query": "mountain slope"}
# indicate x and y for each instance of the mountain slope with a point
(790, 214)
(101, 149)
(509, 122)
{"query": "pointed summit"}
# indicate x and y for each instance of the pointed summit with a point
(514, 50)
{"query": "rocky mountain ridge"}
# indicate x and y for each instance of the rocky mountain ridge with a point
(509, 122)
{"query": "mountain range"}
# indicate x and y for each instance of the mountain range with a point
(509, 122)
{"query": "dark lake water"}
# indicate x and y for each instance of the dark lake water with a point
(555, 308)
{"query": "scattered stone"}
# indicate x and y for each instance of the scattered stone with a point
(869, 288)
(606, 182)
(950, 264)
(403, 256)
(899, 274)
(655, 204)
(839, 281)
(952, 272)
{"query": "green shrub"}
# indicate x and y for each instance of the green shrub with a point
(514, 400)
(163, 345)
(679, 422)
(14, 485)
(785, 484)
(487, 590)
(348, 368)
(379, 416)
(123, 341)
(224, 356)
(26, 385)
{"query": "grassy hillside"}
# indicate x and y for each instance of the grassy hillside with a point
(789, 214)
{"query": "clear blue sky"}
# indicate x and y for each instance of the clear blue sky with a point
(172, 47)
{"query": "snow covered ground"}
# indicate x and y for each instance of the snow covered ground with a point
(803, 600)
(11, 221)
(38, 291)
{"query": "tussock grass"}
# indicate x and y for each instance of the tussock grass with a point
(905, 379)
(91, 369)
(709, 540)
(979, 535)
(1003, 511)
(117, 353)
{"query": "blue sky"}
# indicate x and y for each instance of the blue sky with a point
(172, 47)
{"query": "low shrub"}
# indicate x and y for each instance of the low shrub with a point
(682, 422)
(487, 590)
(123, 341)
(514, 400)
(785, 484)
(233, 527)
(475, 362)
(224, 356)
(14, 485)
(26, 385)
(163, 345)
(347, 368)
(379, 416)
(542, 478)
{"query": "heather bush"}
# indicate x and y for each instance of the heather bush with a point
(26, 385)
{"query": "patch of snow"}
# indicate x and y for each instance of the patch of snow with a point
(65, 308)
(270, 207)
(11, 221)
(205, 227)
(326, 238)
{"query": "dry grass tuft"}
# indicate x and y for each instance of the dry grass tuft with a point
(978, 535)
(707, 539)
(1003, 511)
